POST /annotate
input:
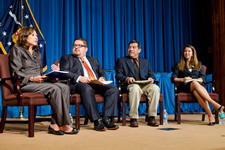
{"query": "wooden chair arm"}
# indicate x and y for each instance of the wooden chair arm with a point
(213, 83)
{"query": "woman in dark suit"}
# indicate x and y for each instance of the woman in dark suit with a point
(190, 68)
(26, 62)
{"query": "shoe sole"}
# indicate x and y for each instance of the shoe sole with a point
(133, 126)
(113, 128)
(101, 129)
(49, 132)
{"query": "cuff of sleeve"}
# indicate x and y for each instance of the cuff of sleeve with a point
(78, 79)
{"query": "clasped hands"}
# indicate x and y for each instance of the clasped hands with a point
(38, 79)
(130, 80)
(189, 78)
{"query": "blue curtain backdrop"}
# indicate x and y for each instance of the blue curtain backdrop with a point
(163, 27)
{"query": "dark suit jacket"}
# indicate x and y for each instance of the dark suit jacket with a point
(194, 74)
(73, 65)
(124, 69)
(181, 74)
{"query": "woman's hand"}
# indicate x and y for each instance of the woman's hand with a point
(38, 79)
(200, 79)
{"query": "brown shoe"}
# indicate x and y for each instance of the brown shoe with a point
(133, 123)
(153, 123)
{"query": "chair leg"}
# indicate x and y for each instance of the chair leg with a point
(203, 117)
(217, 117)
(146, 116)
(124, 114)
(178, 113)
(2, 124)
(31, 121)
(175, 113)
(119, 112)
(86, 120)
(77, 115)
(161, 112)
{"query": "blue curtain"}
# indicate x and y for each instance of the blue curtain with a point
(163, 27)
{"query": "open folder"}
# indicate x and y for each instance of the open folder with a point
(55, 74)
(100, 82)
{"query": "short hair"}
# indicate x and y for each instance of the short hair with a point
(22, 38)
(135, 41)
(81, 39)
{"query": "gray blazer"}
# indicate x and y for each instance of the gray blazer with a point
(23, 64)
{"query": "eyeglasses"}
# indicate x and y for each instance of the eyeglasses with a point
(78, 45)
(134, 47)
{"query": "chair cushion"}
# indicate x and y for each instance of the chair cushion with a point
(75, 98)
(28, 99)
(189, 97)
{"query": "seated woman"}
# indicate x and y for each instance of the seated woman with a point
(190, 68)
(26, 62)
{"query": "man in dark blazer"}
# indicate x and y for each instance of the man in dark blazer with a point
(132, 68)
(82, 69)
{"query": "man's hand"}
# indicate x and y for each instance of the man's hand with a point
(84, 79)
(101, 79)
(152, 80)
(130, 80)
(55, 67)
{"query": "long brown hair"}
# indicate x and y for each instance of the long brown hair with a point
(22, 39)
(194, 60)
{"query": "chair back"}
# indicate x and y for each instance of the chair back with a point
(7, 86)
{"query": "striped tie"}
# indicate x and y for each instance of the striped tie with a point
(90, 73)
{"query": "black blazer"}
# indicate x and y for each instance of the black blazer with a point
(124, 69)
(73, 65)
(194, 74)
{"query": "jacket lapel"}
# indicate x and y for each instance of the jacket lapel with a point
(130, 66)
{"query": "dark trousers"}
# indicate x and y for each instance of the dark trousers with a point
(110, 94)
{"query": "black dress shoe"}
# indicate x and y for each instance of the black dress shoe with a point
(52, 131)
(74, 131)
(109, 125)
(212, 123)
(99, 126)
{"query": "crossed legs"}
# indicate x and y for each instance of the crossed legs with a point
(203, 98)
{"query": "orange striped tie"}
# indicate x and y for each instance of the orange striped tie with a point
(90, 73)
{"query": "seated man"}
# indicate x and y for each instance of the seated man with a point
(131, 68)
(82, 69)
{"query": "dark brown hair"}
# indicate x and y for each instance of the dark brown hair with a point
(22, 39)
(194, 60)
(83, 40)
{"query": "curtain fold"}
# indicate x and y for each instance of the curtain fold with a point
(163, 27)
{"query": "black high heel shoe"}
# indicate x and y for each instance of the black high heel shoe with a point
(74, 131)
(221, 109)
(52, 131)
(212, 123)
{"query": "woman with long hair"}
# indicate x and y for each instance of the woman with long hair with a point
(190, 68)
(26, 62)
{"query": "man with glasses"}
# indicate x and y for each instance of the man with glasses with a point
(131, 69)
(82, 69)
